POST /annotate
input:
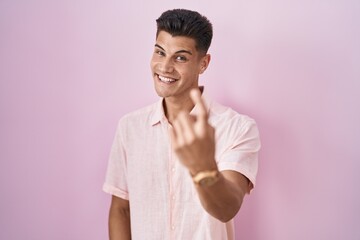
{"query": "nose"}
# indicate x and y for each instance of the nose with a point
(166, 66)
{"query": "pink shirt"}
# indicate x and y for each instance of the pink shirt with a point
(163, 200)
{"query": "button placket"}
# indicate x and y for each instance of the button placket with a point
(172, 179)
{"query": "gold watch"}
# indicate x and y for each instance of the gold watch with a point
(206, 178)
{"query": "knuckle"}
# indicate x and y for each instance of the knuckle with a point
(190, 139)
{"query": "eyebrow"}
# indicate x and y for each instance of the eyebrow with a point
(180, 51)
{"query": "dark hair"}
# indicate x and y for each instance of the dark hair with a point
(182, 22)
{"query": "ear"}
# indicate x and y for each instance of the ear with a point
(205, 61)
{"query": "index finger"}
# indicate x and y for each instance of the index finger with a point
(199, 102)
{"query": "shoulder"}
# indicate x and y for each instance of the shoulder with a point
(139, 116)
(232, 128)
(223, 115)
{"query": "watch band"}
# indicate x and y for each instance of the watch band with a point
(206, 178)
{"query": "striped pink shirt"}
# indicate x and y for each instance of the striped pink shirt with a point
(163, 200)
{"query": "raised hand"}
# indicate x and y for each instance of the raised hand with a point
(193, 138)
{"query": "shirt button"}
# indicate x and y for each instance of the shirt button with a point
(173, 197)
(172, 227)
(173, 169)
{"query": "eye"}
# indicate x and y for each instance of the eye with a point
(181, 58)
(160, 53)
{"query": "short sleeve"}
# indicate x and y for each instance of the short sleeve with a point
(243, 145)
(116, 177)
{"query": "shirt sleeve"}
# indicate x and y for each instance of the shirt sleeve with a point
(243, 145)
(116, 178)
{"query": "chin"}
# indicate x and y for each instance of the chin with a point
(160, 93)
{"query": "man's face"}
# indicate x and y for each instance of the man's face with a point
(176, 65)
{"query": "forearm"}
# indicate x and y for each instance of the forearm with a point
(223, 199)
(193, 140)
(119, 224)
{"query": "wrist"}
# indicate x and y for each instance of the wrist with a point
(206, 178)
(206, 167)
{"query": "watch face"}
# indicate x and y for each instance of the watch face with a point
(207, 181)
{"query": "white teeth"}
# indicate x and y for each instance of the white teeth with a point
(165, 79)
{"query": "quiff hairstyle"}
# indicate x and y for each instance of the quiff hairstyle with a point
(187, 23)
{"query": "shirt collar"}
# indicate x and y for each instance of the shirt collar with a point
(159, 113)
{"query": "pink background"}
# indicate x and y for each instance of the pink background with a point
(70, 69)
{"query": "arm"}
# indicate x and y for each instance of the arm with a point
(119, 219)
(223, 199)
(193, 140)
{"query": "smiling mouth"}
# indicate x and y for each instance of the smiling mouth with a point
(166, 79)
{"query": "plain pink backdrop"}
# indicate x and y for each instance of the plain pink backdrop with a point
(70, 69)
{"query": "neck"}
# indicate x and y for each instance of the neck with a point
(173, 106)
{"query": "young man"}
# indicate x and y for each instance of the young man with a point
(180, 168)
